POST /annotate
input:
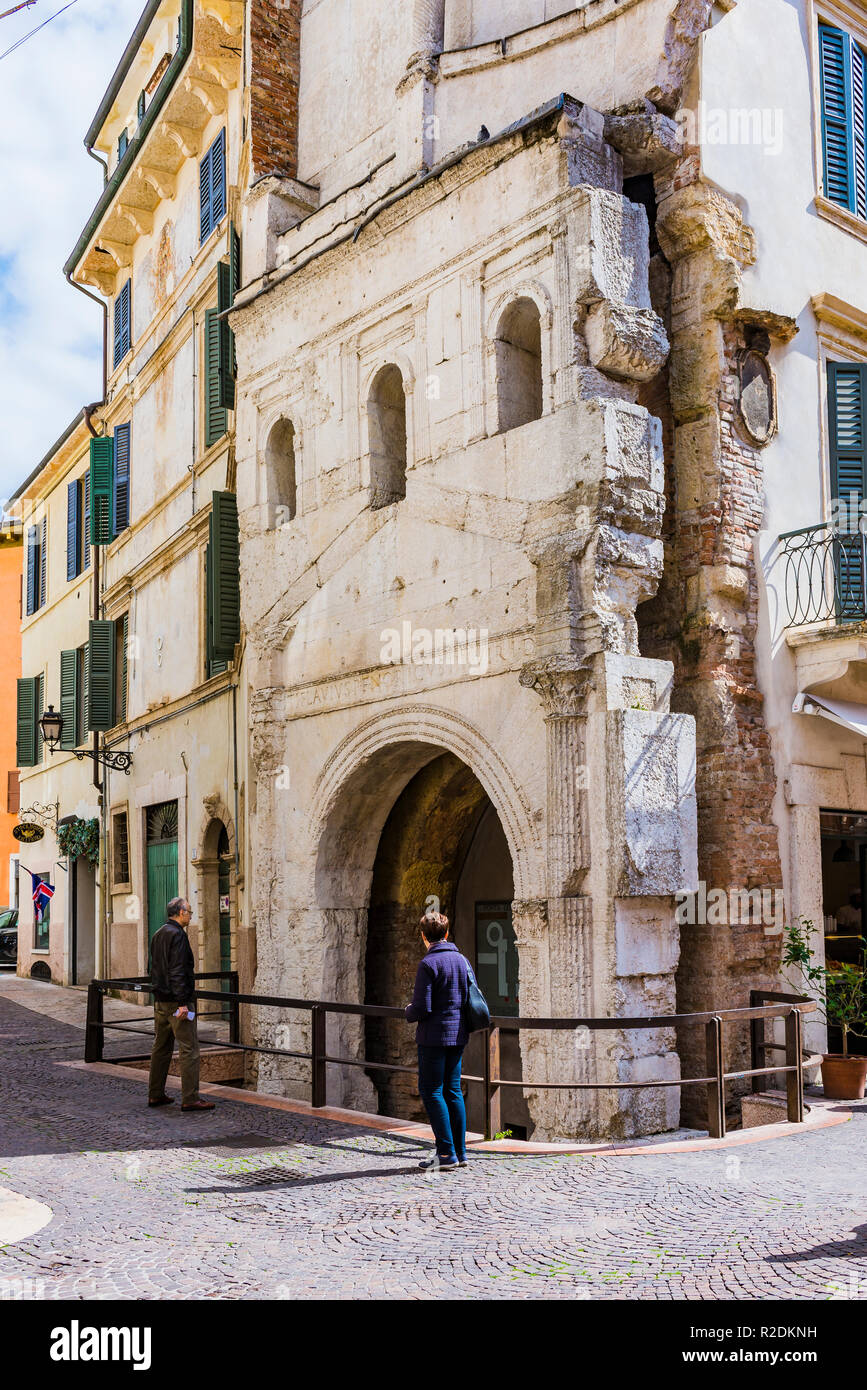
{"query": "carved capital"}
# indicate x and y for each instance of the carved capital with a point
(562, 684)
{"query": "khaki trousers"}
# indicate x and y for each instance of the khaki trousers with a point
(166, 1029)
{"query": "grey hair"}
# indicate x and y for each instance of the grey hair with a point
(175, 906)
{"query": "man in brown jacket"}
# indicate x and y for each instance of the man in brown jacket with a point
(173, 985)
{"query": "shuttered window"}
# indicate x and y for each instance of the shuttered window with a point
(222, 583)
(221, 366)
(212, 187)
(119, 849)
(843, 77)
(69, 698)
(74, 528)
(122, 323)
(36, 577)
(101, 489)
(13, 793)
(121, 632)
(83, 683)
(101, 675)
(85, 524)
(847, 412)
(122, 145)
(25, 720)
(216, 414)
(120, 500)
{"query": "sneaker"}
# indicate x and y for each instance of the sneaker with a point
(462, 1162)
(437, 1162)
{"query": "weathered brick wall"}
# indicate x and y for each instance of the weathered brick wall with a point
(704, 617)
(275, 67)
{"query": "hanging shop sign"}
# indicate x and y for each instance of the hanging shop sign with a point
(27, 832)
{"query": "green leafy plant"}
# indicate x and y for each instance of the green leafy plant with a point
(503, 1134)
(80, 837)
(843, 986)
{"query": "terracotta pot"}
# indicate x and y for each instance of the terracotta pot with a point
(844, 1078)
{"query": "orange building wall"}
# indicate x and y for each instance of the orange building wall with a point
(11, 558)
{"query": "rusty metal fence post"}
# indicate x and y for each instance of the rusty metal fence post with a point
(716, 1101)
(317, 1049)
(794, 1058)
(492, 1082)
(94, 1033)
(757, 1040)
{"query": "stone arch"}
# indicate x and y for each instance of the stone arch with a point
(281, 471)
(387, 436)
(352, 800)
(518, 346)
(216, 854)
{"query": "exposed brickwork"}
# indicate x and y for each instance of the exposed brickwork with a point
(704, 619)
(275, 67)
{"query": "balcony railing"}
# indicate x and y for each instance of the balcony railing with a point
(824, 575)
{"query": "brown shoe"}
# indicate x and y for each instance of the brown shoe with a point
(199, 1105)
(163, 1100)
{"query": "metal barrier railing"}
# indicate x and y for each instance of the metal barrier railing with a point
(824, 575)
(790, 1008)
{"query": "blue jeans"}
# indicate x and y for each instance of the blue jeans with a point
(439, 1085)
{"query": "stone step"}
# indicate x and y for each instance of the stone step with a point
(764, 1108)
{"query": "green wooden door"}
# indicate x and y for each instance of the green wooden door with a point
(162, 861)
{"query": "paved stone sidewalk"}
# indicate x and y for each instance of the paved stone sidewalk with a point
(249, 1203)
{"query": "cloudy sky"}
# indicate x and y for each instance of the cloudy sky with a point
(50, 335)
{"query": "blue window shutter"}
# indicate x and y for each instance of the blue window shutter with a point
(43, 562)
(859, 128)
(122, 144)
(120, 519)
(73, 529)
(85, 524)
(218, 179)
(30, 604)
(837, 142)
(122, 338)
(205, 197)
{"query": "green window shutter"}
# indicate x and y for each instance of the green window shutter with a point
(69, 698)
(85, 690)
(40, 708)
(101, 676)
(26, 721)
(847, 412)
(224, 589)
(216, 421)
(124, 633)
(234, 263)
(227, 337)
(101, 477)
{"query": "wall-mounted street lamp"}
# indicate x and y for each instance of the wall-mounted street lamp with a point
(51, 725)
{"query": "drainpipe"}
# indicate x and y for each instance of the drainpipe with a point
(99, 159)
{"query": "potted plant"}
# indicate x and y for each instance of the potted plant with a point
(844, 1006)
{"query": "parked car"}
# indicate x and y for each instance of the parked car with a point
(9, 936)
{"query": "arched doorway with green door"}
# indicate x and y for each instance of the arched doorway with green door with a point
(161, 836)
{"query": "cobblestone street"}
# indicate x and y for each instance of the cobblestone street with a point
(250, 1203)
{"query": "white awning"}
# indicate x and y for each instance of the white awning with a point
(844, 712)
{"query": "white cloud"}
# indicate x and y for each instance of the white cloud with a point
(50, 335)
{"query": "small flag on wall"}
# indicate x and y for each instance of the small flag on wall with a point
(43, 892)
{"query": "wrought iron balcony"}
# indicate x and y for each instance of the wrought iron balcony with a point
(824, 575)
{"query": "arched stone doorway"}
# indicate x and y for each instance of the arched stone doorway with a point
(215, 935)
(442, 839)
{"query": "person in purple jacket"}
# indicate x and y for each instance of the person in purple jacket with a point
(438, 1009)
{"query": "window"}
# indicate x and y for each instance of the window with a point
(122, 145)
(212, 187)
(74, 527)
(847, 420)
(29, 706)
(120, 850)
(122, 338)
(120, 492)
(140, 107)
(222, 584)
(85, 527)
(37, 560)
(13, 792)
(121, 633)
(843, 76)
(99, 499)
(106, 678)
(386, 423)
(220, 361)
(73, 696)
(280, 466)
(82, 677)
(519, 365)
(41, 927)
